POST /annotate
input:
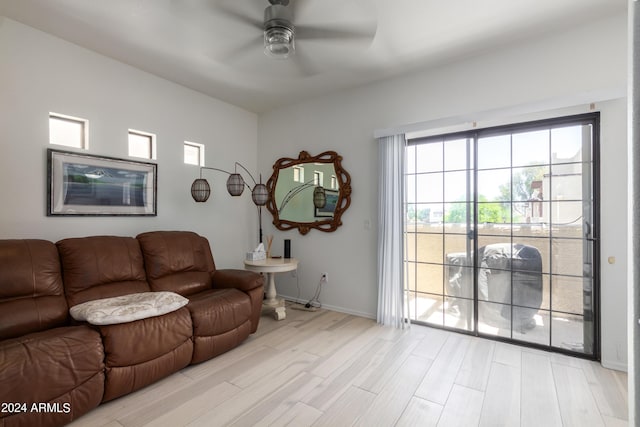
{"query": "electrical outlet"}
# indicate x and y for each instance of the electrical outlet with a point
(324, 277)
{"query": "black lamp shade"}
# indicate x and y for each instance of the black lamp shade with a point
(260, 195)
(319, 197)
(200, 190)
(235, 184)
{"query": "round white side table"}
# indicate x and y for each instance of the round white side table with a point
(271, 266)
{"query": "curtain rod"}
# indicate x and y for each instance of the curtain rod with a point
(503, 115)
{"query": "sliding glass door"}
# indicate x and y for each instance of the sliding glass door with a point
(439, 231)
(501, 233)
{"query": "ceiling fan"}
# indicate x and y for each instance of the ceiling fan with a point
(280, 33)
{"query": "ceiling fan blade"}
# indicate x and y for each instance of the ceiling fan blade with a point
(234, 15)
(303, 64)
(240, 51)
(308, 32)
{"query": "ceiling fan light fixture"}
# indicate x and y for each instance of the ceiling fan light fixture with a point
(279, 32)
(279, 42)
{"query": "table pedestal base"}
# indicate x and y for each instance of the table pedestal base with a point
(270, 266)
(276, 307)
(273, 302)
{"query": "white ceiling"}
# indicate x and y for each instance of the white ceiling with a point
(196, 44)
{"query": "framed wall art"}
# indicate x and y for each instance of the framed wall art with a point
(83, 184)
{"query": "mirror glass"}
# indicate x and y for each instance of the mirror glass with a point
(309, 192)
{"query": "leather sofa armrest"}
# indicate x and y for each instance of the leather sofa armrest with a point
(242, 280)
(246, 281)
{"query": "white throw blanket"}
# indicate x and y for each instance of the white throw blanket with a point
(127, 308)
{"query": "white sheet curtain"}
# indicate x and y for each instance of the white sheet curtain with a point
(391, 300)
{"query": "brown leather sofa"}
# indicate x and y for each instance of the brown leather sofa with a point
(65, 367)
(221, 314)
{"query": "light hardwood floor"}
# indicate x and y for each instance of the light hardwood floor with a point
(332, 369)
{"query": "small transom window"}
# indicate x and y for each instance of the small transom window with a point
(142, 144)
(68, 131)
(193, 153)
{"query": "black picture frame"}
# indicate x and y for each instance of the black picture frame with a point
(89, 185)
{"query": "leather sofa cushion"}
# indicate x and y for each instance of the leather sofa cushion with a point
(121, 380)
(142, 352)
(146, 339)
(31, 292)
(207, 347)
(215, 312)
(178, 261)
(101, 267)
(43, 366)
(185, 283)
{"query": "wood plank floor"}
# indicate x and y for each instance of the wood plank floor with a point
(332, 369)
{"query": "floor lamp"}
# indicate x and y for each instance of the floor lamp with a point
(200, 189)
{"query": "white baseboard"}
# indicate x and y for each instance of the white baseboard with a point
(347, 311)
(618, 366)
(333, 308)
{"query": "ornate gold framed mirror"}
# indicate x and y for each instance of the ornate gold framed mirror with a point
(309, 192)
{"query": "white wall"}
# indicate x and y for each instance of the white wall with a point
(41, 74)
(582, 64)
